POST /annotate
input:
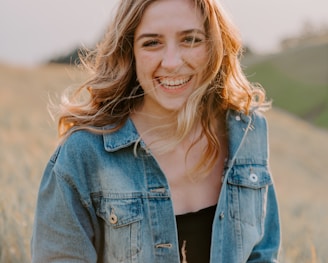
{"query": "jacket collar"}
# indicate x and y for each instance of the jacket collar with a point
(124, 137)
(237, 124)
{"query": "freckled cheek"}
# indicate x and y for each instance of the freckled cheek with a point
(146, 63)
(145, 68)
(198, 58)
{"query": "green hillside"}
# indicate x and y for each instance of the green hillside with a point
(295, 79)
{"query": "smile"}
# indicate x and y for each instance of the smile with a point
(173, 83)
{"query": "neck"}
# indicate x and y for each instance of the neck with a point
(147, 120)
(161, 130)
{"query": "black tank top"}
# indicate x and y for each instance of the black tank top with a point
(194, 234)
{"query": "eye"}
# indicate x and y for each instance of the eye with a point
(151, 43)
(192, 40)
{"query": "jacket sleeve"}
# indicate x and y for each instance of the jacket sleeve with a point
(267, 250)
(63, 230)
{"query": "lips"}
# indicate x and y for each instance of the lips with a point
(173, 83)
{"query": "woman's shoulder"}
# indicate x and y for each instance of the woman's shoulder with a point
(89, 140)
(84, 137)
(249, 134)
(258, 117)
(81, 146)
(82, 141)
(254, 117)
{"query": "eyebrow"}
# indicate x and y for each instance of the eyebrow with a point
(184, 32)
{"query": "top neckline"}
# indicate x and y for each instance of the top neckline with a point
(199, 212)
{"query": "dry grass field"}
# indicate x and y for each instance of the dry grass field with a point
(299, 154)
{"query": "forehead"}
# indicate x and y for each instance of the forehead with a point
(171, 14)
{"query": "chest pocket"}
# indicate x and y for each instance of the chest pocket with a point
(122, 227)
(247, 193)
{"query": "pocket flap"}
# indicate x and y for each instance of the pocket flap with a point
(250, 176)
(120, 212)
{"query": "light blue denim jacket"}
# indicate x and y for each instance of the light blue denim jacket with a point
(98, 202)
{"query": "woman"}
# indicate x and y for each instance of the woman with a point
(166, 160)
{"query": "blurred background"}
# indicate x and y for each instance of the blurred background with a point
(286, 50)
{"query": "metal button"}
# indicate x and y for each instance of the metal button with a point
(253, 177)
(113, 218)
(221, 216)
(238, 118)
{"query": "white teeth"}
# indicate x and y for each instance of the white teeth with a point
(171, 84)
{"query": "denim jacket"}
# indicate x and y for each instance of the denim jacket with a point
(100, 202)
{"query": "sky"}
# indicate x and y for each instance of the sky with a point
(34, 31)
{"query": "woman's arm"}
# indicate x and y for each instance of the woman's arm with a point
(267, 250)
(63, 229)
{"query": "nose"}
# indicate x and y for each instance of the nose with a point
(172, 59)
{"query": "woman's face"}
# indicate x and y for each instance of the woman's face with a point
(171, 54)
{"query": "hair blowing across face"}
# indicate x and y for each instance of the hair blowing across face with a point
(113, 91)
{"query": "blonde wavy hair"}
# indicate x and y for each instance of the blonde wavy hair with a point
(113, 91)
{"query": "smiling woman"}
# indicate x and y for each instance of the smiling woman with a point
(166, 160)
